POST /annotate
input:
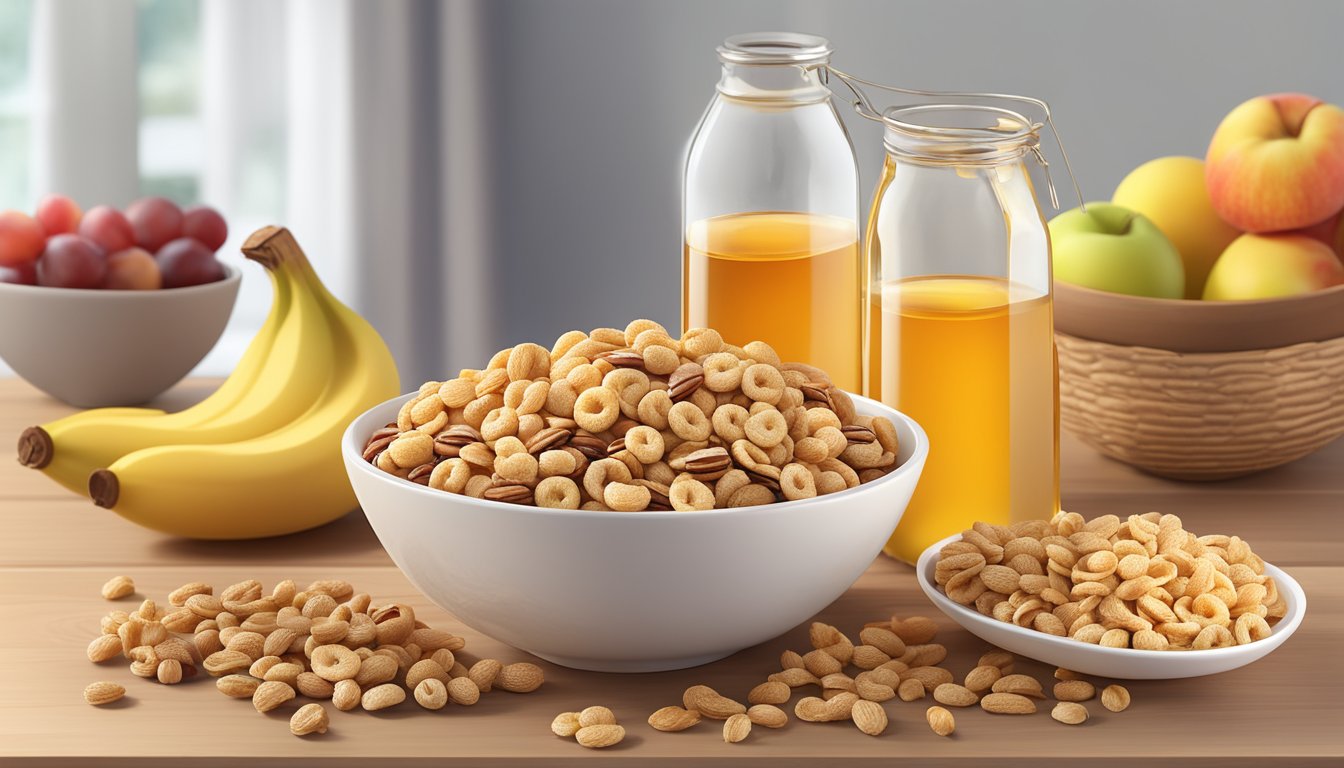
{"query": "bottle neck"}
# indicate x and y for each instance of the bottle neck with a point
(777, 84)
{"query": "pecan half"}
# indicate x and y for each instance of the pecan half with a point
(857, 435)
(376, 447)
(592, 447)
(547, 439)
(658, 498)
(684, 381)
(704, 464)
(421, 473)
(616, 446)
(512, 494)
(623, 358)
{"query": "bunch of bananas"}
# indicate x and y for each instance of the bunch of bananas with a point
(261, 455)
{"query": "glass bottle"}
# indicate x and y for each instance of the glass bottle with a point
(959, 324)
(770, 209)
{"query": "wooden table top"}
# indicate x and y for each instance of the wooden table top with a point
(57, 550)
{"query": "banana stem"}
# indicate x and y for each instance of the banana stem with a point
(35, 448)
(272, 247)
(104, 488)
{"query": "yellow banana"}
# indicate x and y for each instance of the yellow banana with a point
(282, 374)
(288, 480)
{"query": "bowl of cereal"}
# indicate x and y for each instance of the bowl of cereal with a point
(511, 522)
(1157, 605)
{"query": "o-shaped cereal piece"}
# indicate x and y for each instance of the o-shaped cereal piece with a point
(450, 475)
(637, 327)
(625, 497)
(723, 372)
(660, 360)
(475, 412)
(645, 444)
(687, 421)
(456, 393)
(763, 383)
(411, 449)
(534, 397)
(597, 409)
(763, 353)
(654, 407)
(528, 361)
(557, 492)
(830, 482)
(334, 663)
(585, 376)
(560, 398)
(796, 482)
(603, 472)
(509, 445)
(690, 495)
(566, 340)
(818, 418)
(767, 428)
(726, 486)
(517, 468)
(500, 422)
(513, 394)
(630, 385)
(835, 440)
(552, 463)
(697, 342)
(730, 422)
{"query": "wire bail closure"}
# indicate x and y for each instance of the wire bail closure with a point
(863, 106)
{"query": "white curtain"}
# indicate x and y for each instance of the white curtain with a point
(383, 173)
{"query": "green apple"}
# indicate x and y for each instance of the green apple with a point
(1111, 248)
(1266, 266)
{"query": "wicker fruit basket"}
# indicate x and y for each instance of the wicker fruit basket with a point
(1196, 390)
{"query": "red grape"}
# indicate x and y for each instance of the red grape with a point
(107, 228)
(185, 261)
(71, 261)
(156, 220)
(21, 275)
(58, 214)
(205, 225)
(133, 269)
(21, 239)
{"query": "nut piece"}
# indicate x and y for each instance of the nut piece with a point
(910, 690)
(237, 686)
(1007, 704)
(271, 694)
(815, 710)
(1022, 685)
(104, 647)
(941, 721)
(1074, 690)
(521, 677)
(566, 724)
(118, 587)
(431, 693)
(954, 695)
(382, 697)
(461, 690)
(771, 692)
(870, 717)
(1069, 713)
(710, 703)
(768, 715)
(1115, 698)
(310, 718)
(600, 736)
(101, 693)
(596, 715)
(672, 719)
(736, 728)
(345, 695)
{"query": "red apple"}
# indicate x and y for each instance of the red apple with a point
(1277, 163)
(59, 215)
(185, 262)
(133, 269)
(107, 228)
(71, 261)
(21, 239)
(205, 225)
(155, 220)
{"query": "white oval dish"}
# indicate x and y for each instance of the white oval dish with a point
(631, 592)
(93, 348)
(1121, 663)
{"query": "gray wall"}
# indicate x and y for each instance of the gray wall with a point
(592, 102)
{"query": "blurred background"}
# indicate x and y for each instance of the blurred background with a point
(474, 173)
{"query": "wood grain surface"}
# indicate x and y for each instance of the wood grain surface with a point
(57, 550)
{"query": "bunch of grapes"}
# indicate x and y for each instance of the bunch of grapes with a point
(153, 244)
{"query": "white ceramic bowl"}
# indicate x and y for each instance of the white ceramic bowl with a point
(638, 592)
(93, 348)
(1122, 663)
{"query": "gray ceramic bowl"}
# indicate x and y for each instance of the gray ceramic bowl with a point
(94, 348)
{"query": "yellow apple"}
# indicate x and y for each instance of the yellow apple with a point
(1170, 191)
(1268, 266)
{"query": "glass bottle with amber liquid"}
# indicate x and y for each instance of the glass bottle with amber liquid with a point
(770, 209)
(959, 323)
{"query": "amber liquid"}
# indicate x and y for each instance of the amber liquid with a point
(788, 279)
(972, 359)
